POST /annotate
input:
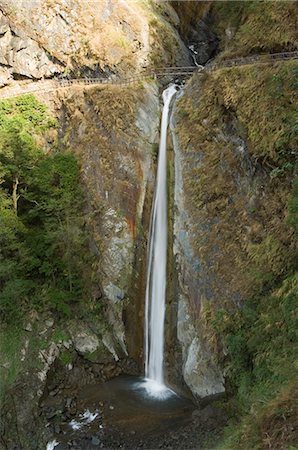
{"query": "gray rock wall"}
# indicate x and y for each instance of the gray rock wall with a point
(42, 38)
(199, 369)
(21, 56)
(116, 155)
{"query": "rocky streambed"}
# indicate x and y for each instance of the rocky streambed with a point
(120, 414)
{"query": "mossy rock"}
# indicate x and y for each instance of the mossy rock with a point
(100, 356)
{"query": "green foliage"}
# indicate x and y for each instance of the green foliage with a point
(21, 120)
(261, 342)
(42, 236)
(155, 148)
(66, 357)
(269, 260)
(60, 335)
(19, 352)
(10, 346)
(293, 207)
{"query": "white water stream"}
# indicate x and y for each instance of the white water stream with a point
(157, 265)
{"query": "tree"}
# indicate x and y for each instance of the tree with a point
(20, 122)
(43, 244)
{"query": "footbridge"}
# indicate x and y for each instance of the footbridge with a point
(166, 73)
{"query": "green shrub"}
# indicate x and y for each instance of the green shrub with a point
(261, 341)
(43, 243)
(293, 207)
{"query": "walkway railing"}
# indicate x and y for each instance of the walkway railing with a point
(254, 59)
(54, 84)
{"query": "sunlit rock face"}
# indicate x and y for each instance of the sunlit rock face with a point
(39, 39)
(112, 130)
(76, 33)
(20, 55)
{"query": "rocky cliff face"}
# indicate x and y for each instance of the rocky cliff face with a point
(22, 56)
(41, 39)
(231, 239)
(113, 131)
(234, 158)
(195, 25)
(200, 370)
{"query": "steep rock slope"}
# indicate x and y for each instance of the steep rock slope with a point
(234, 165)
(236, 30)
(109, 132)
(195, 27)
(113, 132)
(40, 39)
(255, 27)
(235, 139)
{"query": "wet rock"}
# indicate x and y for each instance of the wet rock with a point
(97, 370)
(50, 413)
(108, 339)
(111, 370)
(28, 327)
(114, 293)
(68, 402)
(73, 409)
(47, 356)
(84, 341)
(49, 322)
(200, 372)
(95, 440)
(54, 392)
(209, 417)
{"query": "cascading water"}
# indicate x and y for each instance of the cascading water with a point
(157, 264)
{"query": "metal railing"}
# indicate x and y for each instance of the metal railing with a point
(54, 84)
(254, 59)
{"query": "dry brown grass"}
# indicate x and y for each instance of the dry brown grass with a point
(279, 421)
(237, 205)
(250, 27)
(100, 127)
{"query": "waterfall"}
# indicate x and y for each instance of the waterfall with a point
(157, 262)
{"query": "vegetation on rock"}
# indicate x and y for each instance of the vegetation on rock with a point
(248, 154)
(242, 124)
(252, 27)
(261, 368)
(42, 235)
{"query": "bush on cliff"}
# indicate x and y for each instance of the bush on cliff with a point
(41, 226)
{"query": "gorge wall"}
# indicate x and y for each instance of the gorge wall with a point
(116, 160)
(41, 40)
(90, 344)
(234, 139)
(235, 245)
